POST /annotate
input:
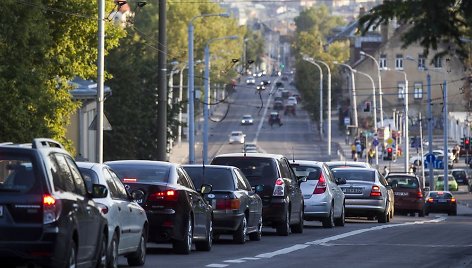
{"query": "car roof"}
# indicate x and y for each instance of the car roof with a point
(401, 174)
(208, 166)
(259, 155)
(347, 163)
(306, 162)
(236, 131)
(354, 168)
(142, 162)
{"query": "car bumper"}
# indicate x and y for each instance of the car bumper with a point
(316, 207)
(408, 205)
(226, 222)
(274, 213)
(440, 208)
(164, 225)
(364, 207)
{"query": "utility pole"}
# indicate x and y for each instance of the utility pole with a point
(162, 90)
(100, 82)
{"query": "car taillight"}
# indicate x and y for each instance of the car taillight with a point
(419, 194)
(430, 200)
(228, 204)
(103, 209)
(375, 191)
(130, 180)
(51, 209)
(279, 188)
(167, 195)
(453, 200)
(320, 186)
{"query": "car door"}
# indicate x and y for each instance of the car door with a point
(335, 191)
(295, 192)
(387, 191)
(197, 203)
(254, 201)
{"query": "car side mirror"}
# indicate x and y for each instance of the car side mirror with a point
(137, 196)
(301, 179)
(340, 181)
(206, 189)
(99, 191)
(426, 189)
(258, 188)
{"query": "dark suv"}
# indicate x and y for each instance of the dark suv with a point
(282, 198)
(47, 217)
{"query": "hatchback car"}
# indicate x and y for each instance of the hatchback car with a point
(47, 215)
(409, 196)
(441, 202)
(451, 183)
(461, 176)
(247, 120)
(282, 197)
(237, 209)
(367, 193)
(237, 137)
(127, 220)
(324, 200)
(177, 213)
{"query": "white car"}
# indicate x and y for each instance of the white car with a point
(250, 80)
(292, 101)
(417, 160)
(127, 220)
(247, 120)
(236, 137)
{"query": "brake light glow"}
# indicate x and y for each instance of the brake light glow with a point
(375, 191)
(419, 194)
(167, 195)
(453, 200)
(321, 185)
(430, 200)
(130, 180)
(279, 188)
(51, 209)
(48, 200)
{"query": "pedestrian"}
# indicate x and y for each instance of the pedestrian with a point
(353, 150)
(355, 156)
(371, 155)
(386, 171)
(414, 169)
(359, 150)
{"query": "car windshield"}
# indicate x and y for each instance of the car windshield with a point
(440, 195)
(403, 182)
(306, 170)
(142, 173)
(449, 178)
(221, 179)
(247, 117)
(17, 174)
(355, 175)
(235, 134)
(257, 170)
(459, 174)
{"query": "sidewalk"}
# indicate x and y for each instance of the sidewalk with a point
(179, 153)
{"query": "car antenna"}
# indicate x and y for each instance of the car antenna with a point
(293, 155)
(244, 147)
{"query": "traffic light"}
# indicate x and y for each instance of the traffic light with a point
(367, 107)
(389, 155)
(467, 143)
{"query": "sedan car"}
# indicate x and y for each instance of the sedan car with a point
(247, 120)
(409, 196)
(441, 202)
(237, 137)
(451, 183)
(347, 164)
(237, 209)
(324, 200)
(250, 80)
(367, 193)
(177, 213)
(127, 220)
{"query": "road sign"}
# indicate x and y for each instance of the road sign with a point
(389, 141)
(430, 158)
(347, 121)
(375, 142)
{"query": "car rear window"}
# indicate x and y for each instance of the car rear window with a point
(220, 179)
(357, 175)
(142, 173)
(459, 174)
(440, 195)
(258, 170)
(306, 170)
(17, 174)
(90, 177)
(403, 182)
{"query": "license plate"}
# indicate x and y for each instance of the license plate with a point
(442, 200)
(1, 211)
(401, 193)
(352, 190)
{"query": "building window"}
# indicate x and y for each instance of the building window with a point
(383, 61)
(421, 62)
(401, 90)
(399, 62)
(437, 62)
(418, 91)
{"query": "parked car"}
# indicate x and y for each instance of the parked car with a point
(461, 176)
(282, 197)
(441, 202)
(367, 193)
(177, 213)
(247, 120)
(127, 220)
(324, 200)
(237, 208)
(236, 137)
(409, 195)
(47, 215)
(347, 164)
(451, 183)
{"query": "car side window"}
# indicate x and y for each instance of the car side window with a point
(289, 170)
(382, 179)
(244, 179)
(121, 190)
(329, 174)
(240, 185)
(79, 181)
(284, 172)
(62, 177)
(111, 185)
(184, 180)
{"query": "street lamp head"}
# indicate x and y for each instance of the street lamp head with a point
(224, 15)
(362, 53)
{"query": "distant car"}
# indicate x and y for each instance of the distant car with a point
(237, 137)
(324, 200)
(274, 118)
(250, 148)
(237, 208)
(127, 220)
(461, 176)
(409, 195)
(247, 120)
(250, 80)
(441, 202)
(347, 164)
(297, 97)
(279, 85)
(290, 109)
(282, 198)
(285, 93)
(451, 183)
(278, 105)
(367, 193)
(292, 100)
(177, 213)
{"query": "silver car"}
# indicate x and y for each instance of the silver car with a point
(367, 193)
(127, 220)
(324, 199)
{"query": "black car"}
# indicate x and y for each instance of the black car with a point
(176, 212)
(441, 202)
(47, 216)
(282, 198)
(237, 209)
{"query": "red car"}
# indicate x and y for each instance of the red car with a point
(409, 195)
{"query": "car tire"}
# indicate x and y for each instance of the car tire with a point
(112, 260)
(421, 213)
(71, 254)
(256, 236)
(328, 222)
(239, 236)
(103, 253)
(283, 228)
(139, 257)
(383, 217)
(452, 213)
(185, 246)
(298, 228)
(341, 221)
(208, 242)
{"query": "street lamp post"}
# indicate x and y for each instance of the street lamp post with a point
(329, 105)
(100, 78)
(206, 98)
(374, 106)
(354, 97)
(380, 86)
(321, 93)
(191, 83)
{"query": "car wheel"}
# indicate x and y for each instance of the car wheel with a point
(102, 256)
(328, 222)
(256, 236)
(72, 255)
(452, 213)
(240, 235)
(298, 228)
(283, 227)
(421, 213)
(208, 242)
(139, 257)
(185, 246)
(113, 252)
(341, 220)
(382, 218)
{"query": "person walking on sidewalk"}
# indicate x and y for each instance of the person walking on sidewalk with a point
(359, 150)
(353, 150)
(371, 155)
